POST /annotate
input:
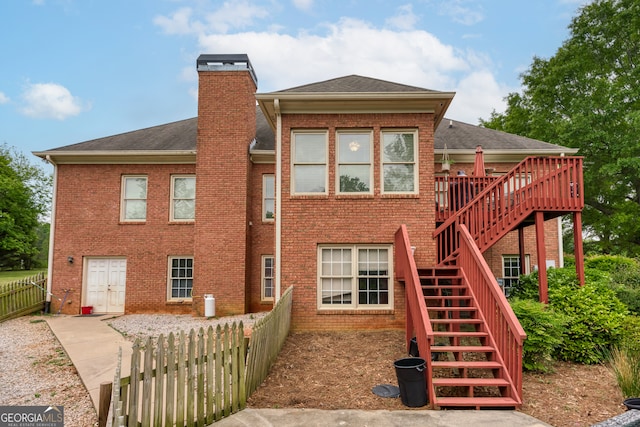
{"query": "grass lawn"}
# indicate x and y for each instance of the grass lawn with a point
(12, 276)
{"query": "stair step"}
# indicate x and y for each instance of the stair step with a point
(458, 364)
(443, 285)
(441, 321)
(470, 382)
(447, 297)
(462, 348)
(460, 334)
(477, 402)
(439, 308)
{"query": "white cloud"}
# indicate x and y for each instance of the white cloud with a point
(3, 98)
(304, 5)
(232, 15)
(50, 101)
(404, 19)
(461, 12)
(352, 46)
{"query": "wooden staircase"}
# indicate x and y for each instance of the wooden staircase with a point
(467, 369)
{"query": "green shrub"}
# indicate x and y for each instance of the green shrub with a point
(625, 281)
(595, 321)
(631, 333)
(625, 364)
(595, 316)
(545, 329)
(608, 263)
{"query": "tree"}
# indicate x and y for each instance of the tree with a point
(587, 96)
(24, 202)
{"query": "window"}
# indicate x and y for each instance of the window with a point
(267, 278)
(355, 277)
(183, 198)
(134, 198)
(309, 158)
(268, 197)
(399, 154)
(180, 277)
(511, 271)
(354, 163)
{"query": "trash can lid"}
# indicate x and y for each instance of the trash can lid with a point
(386, 390)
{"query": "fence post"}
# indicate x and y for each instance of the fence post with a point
(104, 402)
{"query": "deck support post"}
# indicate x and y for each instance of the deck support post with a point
(522, 251)
(542, 259)
(577, 246)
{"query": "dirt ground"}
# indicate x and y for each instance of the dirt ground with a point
(337, 370)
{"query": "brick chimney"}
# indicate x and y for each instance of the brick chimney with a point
(226, 127)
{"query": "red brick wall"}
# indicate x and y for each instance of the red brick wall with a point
(88, 225)
(311, 220)
(226, 127)
(262, 238)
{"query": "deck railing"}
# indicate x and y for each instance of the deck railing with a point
(550, 184)
(505, 330)
(417, 316)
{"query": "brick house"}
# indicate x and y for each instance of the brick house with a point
(128, 235)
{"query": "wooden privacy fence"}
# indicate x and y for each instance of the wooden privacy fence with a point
(22, 297)
(199, 378)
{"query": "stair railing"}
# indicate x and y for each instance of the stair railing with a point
(503, 325)
(417, 315)
(536, 183)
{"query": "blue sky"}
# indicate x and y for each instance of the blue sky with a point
(75, 70)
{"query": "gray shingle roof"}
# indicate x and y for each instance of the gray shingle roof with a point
(355, 84)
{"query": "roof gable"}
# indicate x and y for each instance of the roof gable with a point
(354, 84)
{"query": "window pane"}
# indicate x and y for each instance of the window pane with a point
(398, 147)
(135, 188)
(354, 178)
(270, 208)
(398, 178)
(135, 209)
(184, 188)
(336, 291)
(181, 277)
(310, 148)
(269, 186)
(309, 178)
(373, 269)
(184, 209)
(354, 148)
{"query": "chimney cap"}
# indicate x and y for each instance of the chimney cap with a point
(226, 62)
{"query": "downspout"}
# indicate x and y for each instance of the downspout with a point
(278, 219)
(52, 232)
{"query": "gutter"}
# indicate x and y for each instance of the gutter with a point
(278, 219)
(52, 232)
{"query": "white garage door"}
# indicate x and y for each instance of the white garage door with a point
(105, 284)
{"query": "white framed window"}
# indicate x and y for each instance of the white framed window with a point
(354, 158)
(267, 274)
(183, 198)
(309, 162)
(134, 198)
(180, 278)
(399, 162)
(268, 197)
(355, 277)
(511, 270)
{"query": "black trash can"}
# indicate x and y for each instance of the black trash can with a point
(413, 348)
(412, 382)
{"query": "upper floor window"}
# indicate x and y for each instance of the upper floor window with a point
(309, 162)
(183, 198)
(355, 277)
(268, 197)
(354, 162)
(134, 198)
(399, 162)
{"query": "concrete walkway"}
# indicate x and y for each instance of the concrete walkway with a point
(93, 347)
